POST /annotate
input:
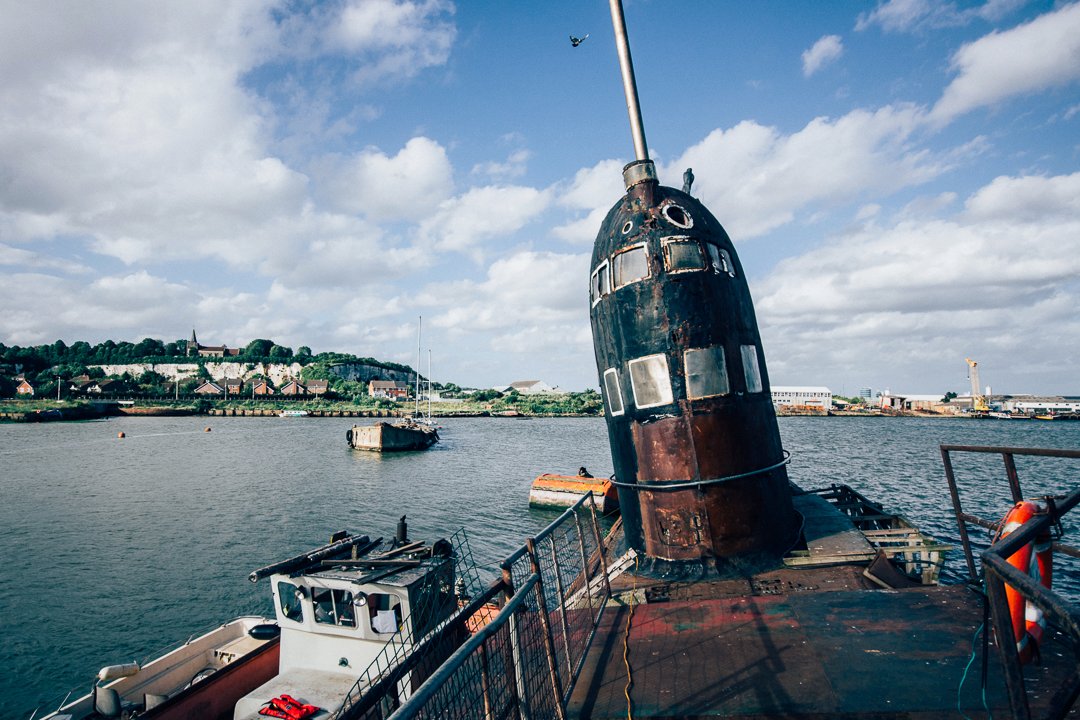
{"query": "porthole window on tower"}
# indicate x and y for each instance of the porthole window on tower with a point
(751, 370)
(630, 265)
(720, 260)
(650, 381)
(706, 373)
(613, 392)
(681, 254)
(601, 284)
(677, 216)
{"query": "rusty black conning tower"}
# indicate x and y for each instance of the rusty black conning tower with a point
(694, 440)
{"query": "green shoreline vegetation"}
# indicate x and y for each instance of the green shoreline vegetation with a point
(55, 370)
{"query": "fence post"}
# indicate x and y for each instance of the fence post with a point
(562, 611)
(545, 625)
(585, 576)
(1014, 479)
(961, 523)
(517, 665)
(1003, 633)
(600, 552)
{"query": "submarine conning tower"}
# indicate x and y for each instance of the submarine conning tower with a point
(700, 468)
(694, 439)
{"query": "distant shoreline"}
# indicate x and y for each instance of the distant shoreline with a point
(96, 411)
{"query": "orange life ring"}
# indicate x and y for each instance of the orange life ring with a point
(1035, 559)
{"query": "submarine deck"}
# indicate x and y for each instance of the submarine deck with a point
(807, 642)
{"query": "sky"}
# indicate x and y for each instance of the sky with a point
(901, 179)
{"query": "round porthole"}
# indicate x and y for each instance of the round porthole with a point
(627, 227)
(677, 216)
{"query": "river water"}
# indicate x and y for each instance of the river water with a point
(115, 548)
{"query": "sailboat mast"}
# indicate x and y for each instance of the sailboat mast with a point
(429, 382)
(416, 400)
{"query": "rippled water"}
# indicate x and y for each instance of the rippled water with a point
(116, 548)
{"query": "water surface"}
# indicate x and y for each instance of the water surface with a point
(116, 548)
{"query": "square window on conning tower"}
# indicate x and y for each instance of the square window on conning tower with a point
(681, 254)
(650, 381)
(720, 260)
(751, 370)
(706, 372)
(613, 392)
(600, 285)
(629, 265)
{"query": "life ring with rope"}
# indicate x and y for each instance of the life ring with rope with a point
(1037, 560)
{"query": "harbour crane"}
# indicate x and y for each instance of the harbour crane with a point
(978, 400)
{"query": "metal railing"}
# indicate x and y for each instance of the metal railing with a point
(1061, 614)
(523, 663)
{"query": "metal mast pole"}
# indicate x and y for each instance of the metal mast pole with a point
(626, 64)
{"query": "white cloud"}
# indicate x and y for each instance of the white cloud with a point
(826, 50)
(463, 223)
(756, 179)
(1038, 55)
(409, 185)
(525, 295)
(402, 38)
(918, 15)
(987, 281)
(514, 166)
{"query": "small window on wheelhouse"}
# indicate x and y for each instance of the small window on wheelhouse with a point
(751, 370)
(333, 607)
(706, 373)
(681, 254)
(629, 266)
(650, 381)
(384, 611)
(601, 283)
(613, 392)
(289, 597)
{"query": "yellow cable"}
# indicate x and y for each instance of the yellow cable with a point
(626, 645)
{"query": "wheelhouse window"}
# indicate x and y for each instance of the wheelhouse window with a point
(601, 282)
(289, 597)
(630, 265)
(384, 611)
(751, 371)
(720, 260)
(681, 254)
(706, 372)
(613, 392)
(333, 607)
(650, 381)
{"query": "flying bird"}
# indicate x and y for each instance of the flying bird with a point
(577, 41)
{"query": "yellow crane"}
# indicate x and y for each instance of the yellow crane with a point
(978, 400)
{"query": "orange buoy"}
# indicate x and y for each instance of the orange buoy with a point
(207, 430)
(1035, 559)
(120, 434)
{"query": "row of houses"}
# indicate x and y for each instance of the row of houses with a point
(261, 386)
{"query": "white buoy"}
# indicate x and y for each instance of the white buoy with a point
(111, 672)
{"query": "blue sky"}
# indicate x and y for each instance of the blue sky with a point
(901, 178)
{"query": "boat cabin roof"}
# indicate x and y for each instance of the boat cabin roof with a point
(400, 574)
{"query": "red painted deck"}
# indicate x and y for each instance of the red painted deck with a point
(792, 644)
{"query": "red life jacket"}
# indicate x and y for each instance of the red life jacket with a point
(290, 708)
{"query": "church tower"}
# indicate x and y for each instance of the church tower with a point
(193, 344)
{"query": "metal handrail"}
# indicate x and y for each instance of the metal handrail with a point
(528, 600)
(1061, 613)
(964, 519)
